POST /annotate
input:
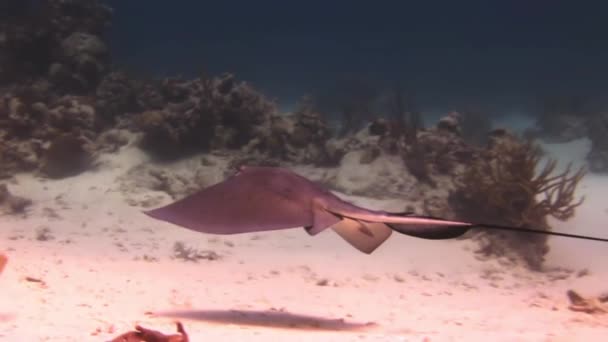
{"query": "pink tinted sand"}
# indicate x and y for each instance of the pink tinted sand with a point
(109, 267)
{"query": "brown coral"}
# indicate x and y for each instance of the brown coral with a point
(66, 156)
(195, 115)
(36, 42)
(503, 187)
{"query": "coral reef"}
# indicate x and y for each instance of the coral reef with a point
(57, 40)
(52, 57)
(381, 160)
(62, 105)
(116, 96)
(299, 138)
(196, 115)
(57, 137)
(503, 186)
(220, 113)
(437, 151)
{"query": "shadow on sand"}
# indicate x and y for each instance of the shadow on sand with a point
(268, 318)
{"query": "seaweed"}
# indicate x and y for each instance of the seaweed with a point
(504, 187)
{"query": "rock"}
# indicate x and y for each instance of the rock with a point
(115, 96)
(379, 127)
(66, 156)
(112, 140)
(450, 122)
(218, 112)
(369, 155)
(79, 44)
(14, 204)
(59, 39)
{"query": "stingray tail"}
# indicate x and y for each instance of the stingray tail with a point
(443, 231)
(538, 231)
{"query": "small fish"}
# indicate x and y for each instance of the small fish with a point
(269, 198)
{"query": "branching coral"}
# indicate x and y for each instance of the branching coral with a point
(558, 191)
(504, 188)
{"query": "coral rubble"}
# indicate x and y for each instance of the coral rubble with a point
(141, 334)
(12, 203)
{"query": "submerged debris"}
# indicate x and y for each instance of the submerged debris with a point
(596, 305)
(141, 334)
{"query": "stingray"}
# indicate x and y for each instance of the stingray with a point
(257, 199)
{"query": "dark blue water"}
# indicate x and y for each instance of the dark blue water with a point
(504, 55)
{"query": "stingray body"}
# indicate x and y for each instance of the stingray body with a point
(267, 198)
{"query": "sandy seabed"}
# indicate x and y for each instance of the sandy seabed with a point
(102, 266)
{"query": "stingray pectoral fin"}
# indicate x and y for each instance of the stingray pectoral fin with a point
(431, 232)
(364, 236)
(321, 220)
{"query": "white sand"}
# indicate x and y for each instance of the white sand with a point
(97, 283)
